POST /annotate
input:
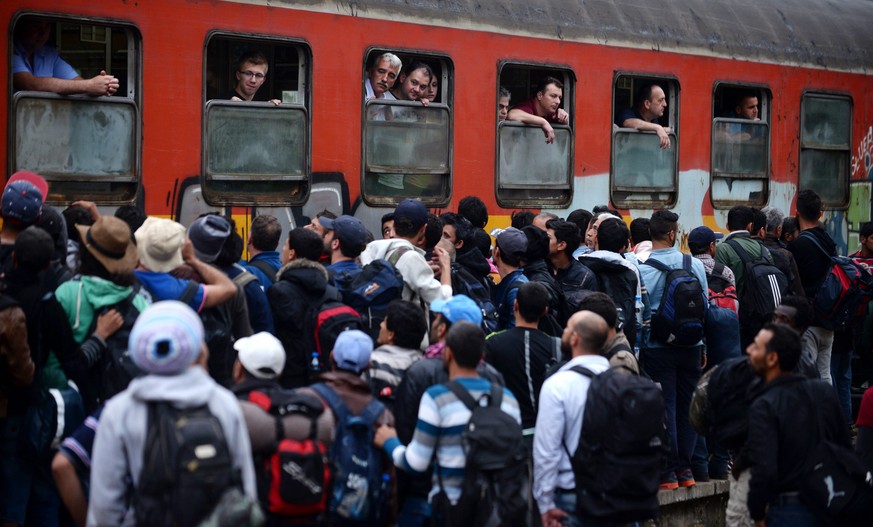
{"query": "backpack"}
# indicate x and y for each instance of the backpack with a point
(186, 468)
(328, 320)
(619, 283)
(496, 480)
(115, 368)
(721, 292)
(294, 478)
(617, 464)
(728, 402)
(218, 335)
(478, 289)
(680, 319)
(764, 284)
(369, 291)
(548, 323)
(361, 487)
(842, 296)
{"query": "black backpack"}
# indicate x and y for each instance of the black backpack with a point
(680, 319)
(496, 480)
(728, 402)
(115, 368)
(369, 291)
(619, 283)
(478, 289)
(764, 284)
(187, 466)
(617, 464)
(218, 335)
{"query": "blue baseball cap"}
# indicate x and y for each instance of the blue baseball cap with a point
(348, 229)
(413, 210)
(457, 308)
(352, 350)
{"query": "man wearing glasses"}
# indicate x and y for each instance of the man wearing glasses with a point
(250, 75)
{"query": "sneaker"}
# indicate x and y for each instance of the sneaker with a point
(685, 478)
(700, 475)
(669, 482)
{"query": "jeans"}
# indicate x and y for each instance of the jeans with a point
(794, 515)
(677, 370)
(27, 489)
(415, 512)
(841, 371)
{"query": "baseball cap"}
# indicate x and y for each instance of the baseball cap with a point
(348, 229)
(261, 354)
(513, 242)
(207, 235)
(22, 202)
(703, 236)
(458, 308)
(34, 179)
(166, 338)
(352, 350)
(412, 210)
(159, 244)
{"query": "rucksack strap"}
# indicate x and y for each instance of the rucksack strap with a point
(189, 292)
(495, 398)
(717, 270)
(661, 266)
(333, 400)
(264, 267)
(397, 254)
(808, 235)
(244, 278)
(582, 370)
(745, 256)
(557, 346)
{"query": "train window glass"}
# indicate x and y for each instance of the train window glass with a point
(643, 173)
(825, 139)
(87, 147)
(407, 146)
(256, 135)
(530, 172)
(740, 145)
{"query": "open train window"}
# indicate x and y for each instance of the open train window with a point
(645, 143)
(256, 135)
(85, 141)
(407, 144)
(825, 139)
(529, 172)
(740, 169)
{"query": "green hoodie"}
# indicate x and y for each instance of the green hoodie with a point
(81, 298)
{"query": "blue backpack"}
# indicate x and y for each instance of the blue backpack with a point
(479, 290)
(361, 486)
(680, 319)
(369, 291)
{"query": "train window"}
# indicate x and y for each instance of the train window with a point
(263, 81)
(825, 139)
(407, 145)
(645, 144)
(87, 147)
(740, 166)
(529, 171)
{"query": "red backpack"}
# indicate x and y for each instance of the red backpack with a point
(721, 292)
(294, 478)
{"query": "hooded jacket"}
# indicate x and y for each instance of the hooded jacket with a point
(82, 298)
(121, 438)
(596, 261)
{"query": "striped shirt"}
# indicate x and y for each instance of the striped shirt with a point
(442, 418)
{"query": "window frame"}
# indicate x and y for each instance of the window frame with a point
(802, 145)
(273, 199)
(764, 110)
(673, 117)
(133, 97)
(447, 78)
(568, 103)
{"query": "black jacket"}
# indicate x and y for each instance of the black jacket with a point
(783, 431)
(474, 262)
(812, 264)
(538, 271)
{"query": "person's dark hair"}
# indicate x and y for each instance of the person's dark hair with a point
(580, 217)
(52, 222)
(328, 214)
(463, 229)
(613, 235)
(809, 206)
(482, 241)
(662, 223)
(804, 316)
(252, 56)
(739, 217)
(433, 232)
(305, 243)
(599, 209)
(266, 231)
(639, 230)
(567, 232)
(90, 266)
(537, 244)
(33, 249)
(759, 220)
(232, 250)
(404, 228)
(789, 226)
(352, 251)
(866, 229)
(406, 320)
(533, 299)
(602, 304)
(417, 65)
(522, 218)
(785, 343)
(743, 96)
(474, 209)
(467, 342)
(696, 249)
(76, 215)
(644, 93)
(545, 81)
(131, 215)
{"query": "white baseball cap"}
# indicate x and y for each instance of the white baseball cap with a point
(262, 355)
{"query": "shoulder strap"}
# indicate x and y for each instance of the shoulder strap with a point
(815, 241)
(189, 292)
(717, 270)
(661, 266)
(372, 411)
(397, 254)
(742, 253)
(265, 268)
(244, 278)
(557, 345)
(686, 262)
(582, 370)
(333, 400)
(495, 398)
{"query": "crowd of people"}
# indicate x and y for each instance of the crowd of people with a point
(152, 376)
